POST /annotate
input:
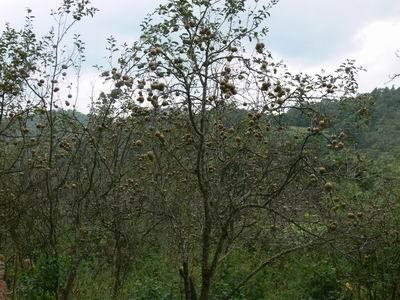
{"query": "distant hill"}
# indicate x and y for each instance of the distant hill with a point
(378, 134)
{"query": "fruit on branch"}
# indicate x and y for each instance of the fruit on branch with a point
(265, 86)
(159, 135)
(139, 143)
(150, 155)
(329, 186)
(155, 51)
(233, 49)
(260, 47)
(313, 178)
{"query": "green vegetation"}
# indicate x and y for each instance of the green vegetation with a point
(200, 172)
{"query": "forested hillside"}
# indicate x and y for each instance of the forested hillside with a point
(378, 131)
(382, 134)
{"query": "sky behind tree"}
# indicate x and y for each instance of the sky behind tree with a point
(309, 35)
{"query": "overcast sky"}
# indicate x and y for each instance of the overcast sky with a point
(309, 35)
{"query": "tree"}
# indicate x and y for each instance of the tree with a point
(36, 152)
(217, 177)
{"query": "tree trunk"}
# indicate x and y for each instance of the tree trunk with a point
(206, 272)
(190, 290)
(3, 285)
(66, 291)
(205, 288)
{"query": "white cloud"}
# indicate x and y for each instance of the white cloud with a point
(373, 47)
(315, 30)
(378, 42)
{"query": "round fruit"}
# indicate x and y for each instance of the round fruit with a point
(329, 186)
(351, 216)
(313, 177)
(150, 155)
(260, 47)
